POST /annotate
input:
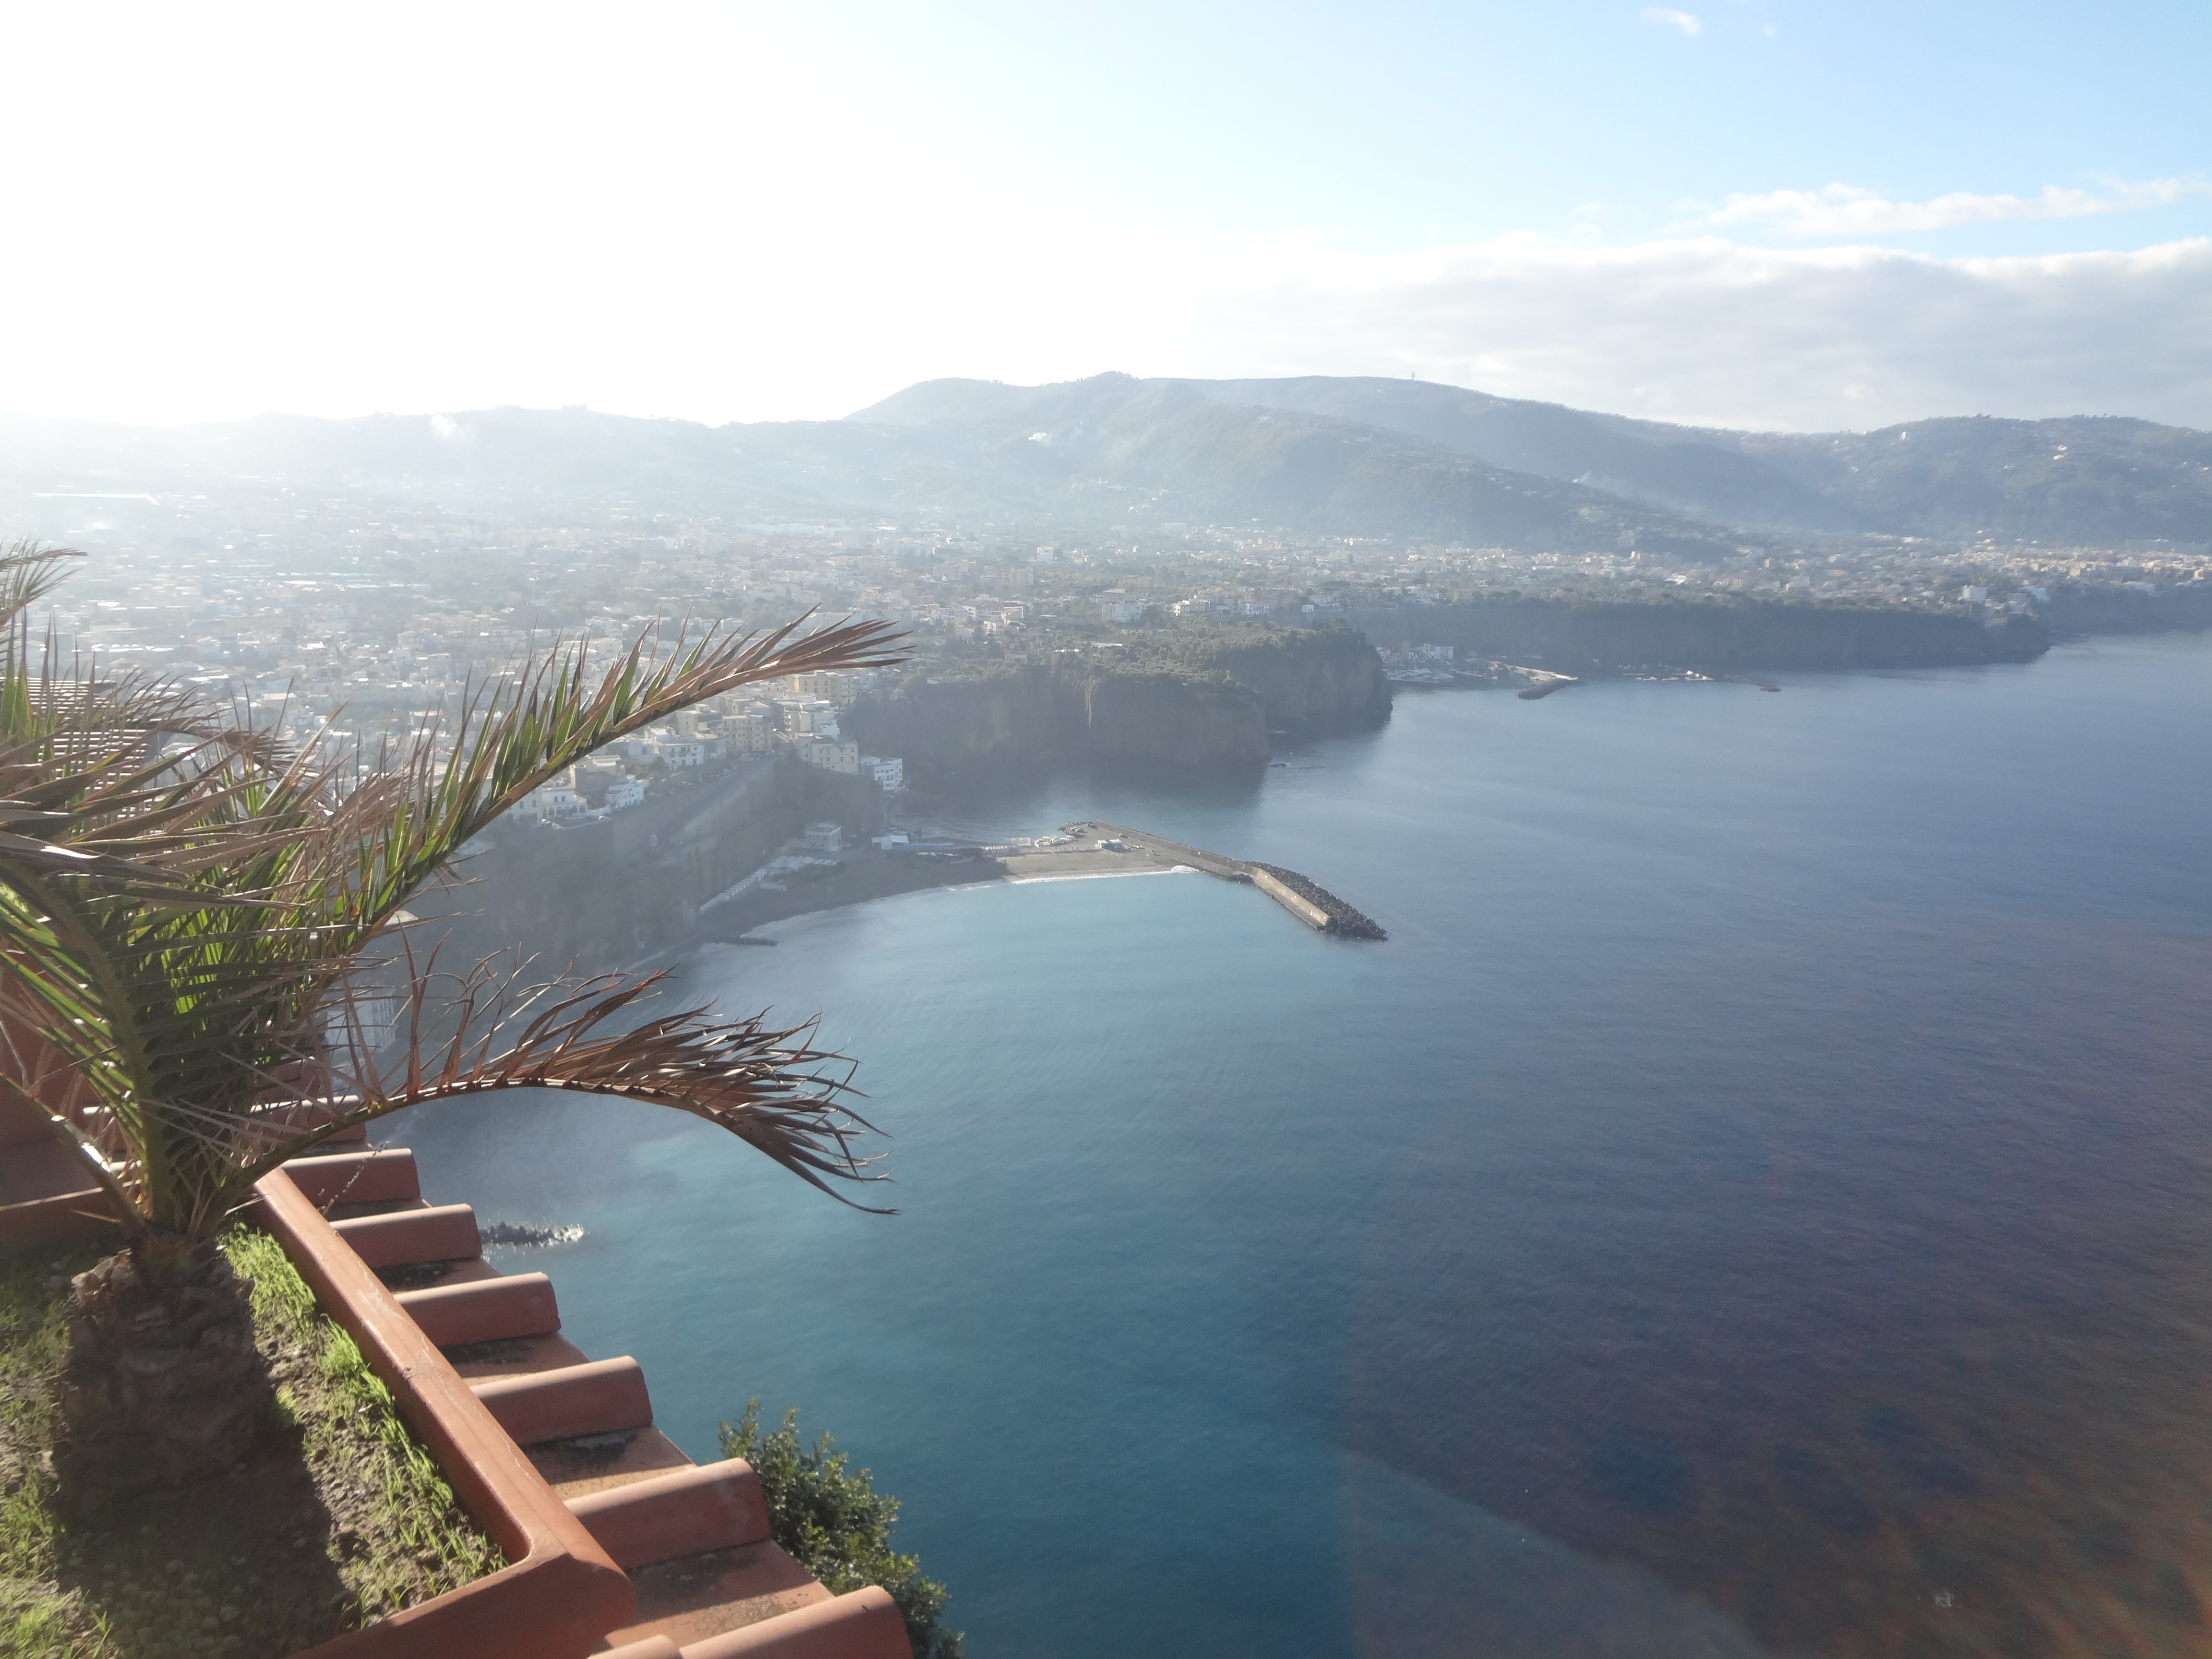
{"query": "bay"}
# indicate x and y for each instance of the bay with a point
(1753, 1202)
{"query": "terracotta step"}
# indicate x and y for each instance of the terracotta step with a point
(515, 1355)
(24, 1123)
(696, 1597)
(864, 1624)
(714, 1506)
(421, 1275)
(709, 1582)
(46, 1193)
(385, 1206)
(32, 1170)
(601, 1462)
(598, 1397)
(444, 1233)
(368, 1177)
(490, 1310)
(813, 1632)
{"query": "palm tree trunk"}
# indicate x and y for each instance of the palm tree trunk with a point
(162, 1385)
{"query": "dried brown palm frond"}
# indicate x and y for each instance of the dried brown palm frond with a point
(770, 1085)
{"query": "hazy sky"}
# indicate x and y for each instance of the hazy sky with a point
(1742, 211)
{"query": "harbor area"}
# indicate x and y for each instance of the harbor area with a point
(819, 872)
(1311, 903)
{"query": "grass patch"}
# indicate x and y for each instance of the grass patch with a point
(829, 1519)
(406, 1537)
(336, 1517)
(39, 1617)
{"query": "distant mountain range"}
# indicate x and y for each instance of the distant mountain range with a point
(1335, 456)
(2082, 479)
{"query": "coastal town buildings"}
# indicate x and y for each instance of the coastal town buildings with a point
(298, 605)
(831, 754)
(553, 801)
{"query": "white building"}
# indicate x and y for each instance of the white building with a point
(628, 792)
(823, 838)
(1117, 606)
(552, 802)
(810, 717)
(886, 772)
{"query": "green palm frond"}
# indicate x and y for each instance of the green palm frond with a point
(187, 903)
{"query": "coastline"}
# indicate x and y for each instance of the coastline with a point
(1086, 851)
(870, 877)
(855, 881)
(1102, 875)
(823, 898)
(726, 940)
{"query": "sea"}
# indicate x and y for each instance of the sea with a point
(1757, 1202)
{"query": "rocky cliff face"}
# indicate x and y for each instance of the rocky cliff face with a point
(941, 727)
(1310, 680)
(1197, 724)
(1015, 714)
(1189, 698)
(1709, 636)
(594, 896)
(2105, 608)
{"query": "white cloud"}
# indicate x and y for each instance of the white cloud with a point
(1699, 330)
(1849, 210)
(1707, 332)
(1684, 20)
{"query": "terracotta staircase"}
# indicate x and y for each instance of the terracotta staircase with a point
(693, 1539)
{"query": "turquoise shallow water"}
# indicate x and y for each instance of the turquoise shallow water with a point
(1754, 1202)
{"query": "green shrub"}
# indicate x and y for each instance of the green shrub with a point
(829, 1519)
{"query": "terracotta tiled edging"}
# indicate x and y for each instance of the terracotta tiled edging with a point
(649, 1557)
(561, 1592)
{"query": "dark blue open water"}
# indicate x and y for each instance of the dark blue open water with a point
(1759, 1199)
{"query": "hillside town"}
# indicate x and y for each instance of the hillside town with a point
(803, 724)
(342, 618)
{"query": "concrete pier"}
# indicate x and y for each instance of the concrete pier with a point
(1310, 913)
(1309, 901)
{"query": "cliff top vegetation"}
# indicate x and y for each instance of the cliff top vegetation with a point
(1191, 648)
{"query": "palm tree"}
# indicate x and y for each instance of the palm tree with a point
(201, 928)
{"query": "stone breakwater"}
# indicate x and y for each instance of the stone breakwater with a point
(1307, 900)
(1343, 919)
